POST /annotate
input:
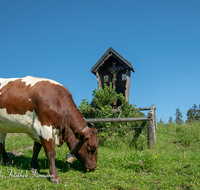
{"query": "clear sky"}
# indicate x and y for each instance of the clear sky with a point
(63, 39)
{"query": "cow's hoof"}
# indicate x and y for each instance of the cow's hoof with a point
(56, 181)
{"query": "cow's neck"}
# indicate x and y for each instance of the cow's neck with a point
(69, 136)
(76, 120)
(70, 141)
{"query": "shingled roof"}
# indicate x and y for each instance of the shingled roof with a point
(111, 52)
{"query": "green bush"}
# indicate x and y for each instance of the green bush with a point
(101, 106)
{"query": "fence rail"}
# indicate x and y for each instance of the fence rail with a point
(152, 124)
(112, 120)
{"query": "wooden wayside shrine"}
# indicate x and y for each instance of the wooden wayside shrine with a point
(112, 67)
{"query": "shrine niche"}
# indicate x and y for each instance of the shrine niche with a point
(112, 67)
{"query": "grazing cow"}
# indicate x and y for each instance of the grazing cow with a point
(46, 112)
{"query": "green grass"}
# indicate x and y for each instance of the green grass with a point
(172, 164)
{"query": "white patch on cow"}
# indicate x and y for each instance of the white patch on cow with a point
(29, 100)
(4, 82)
(33, 80)
(56, 136)
(29, 124)
(28, 80)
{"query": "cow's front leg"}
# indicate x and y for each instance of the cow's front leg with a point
(51, 154)
(4, 155)
(36, 149)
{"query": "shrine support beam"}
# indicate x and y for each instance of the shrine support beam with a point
(98, 80)
(128, 73)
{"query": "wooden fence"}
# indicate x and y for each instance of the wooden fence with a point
(151, 118)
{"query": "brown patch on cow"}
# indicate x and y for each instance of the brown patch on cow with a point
(47, 99)
(48, 146)
(15, 98)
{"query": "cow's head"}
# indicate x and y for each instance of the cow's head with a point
(85, 148)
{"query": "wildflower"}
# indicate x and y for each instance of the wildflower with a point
(156, 157)
(142, 182)
(135, 177)
(88, 170)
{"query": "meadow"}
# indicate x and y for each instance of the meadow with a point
(172, 164)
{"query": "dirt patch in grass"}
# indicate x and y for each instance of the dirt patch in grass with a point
(12, 134)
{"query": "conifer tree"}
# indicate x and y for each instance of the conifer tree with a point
(170, 120)
(193, 114)
(179, 117)
(161, 121)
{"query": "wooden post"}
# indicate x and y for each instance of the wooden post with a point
(154, 123)
(98, 80)
(155, 120)
(128, 73)
(151, 127)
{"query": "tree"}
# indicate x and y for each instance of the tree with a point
(179, 117)
(161, 121)
(101, 104)
(170, 120)
(193, 114)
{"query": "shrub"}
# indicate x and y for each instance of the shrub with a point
(101, 106)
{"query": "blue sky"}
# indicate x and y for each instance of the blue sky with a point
(63, 39)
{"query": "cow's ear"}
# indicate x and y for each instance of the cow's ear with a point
(94, 131)
(82, 136)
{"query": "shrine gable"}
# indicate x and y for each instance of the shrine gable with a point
(112, 67)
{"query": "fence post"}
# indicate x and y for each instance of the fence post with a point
(155, 120)
(151, 127)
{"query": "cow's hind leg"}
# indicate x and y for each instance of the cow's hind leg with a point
(4, 156)
(51, 154)
(36, 149)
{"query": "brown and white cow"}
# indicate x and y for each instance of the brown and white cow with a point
(46, 112)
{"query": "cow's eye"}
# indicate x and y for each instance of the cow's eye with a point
(92, 148)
